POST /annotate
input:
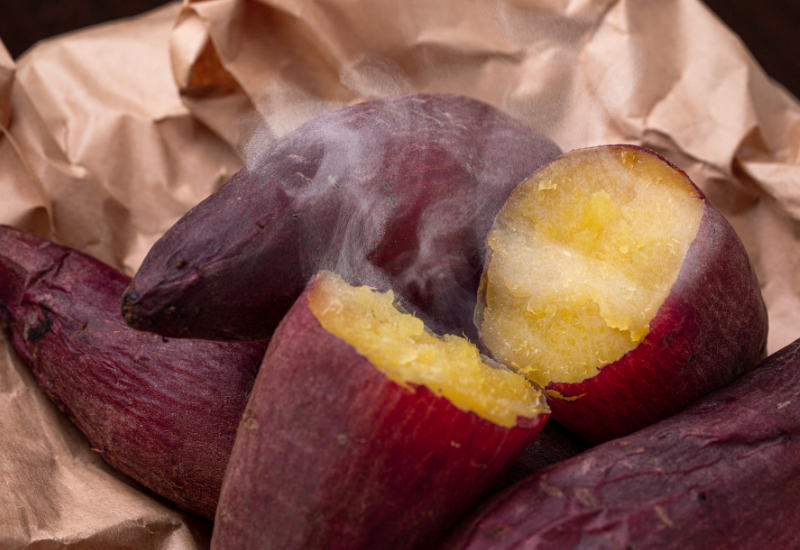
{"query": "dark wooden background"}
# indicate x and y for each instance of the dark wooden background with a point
(769, 28)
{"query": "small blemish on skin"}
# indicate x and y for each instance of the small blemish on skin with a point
(500, 531)
(342, 440)
(585, 497)
(631, 447)
(454, 444)
(249, 422)
(83, 328)
(250, 385)
(784, 404)
(662, 515)
(550, 490)
(37, 331)
(180, 263)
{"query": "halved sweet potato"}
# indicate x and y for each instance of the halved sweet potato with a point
(617, 286)
(393, 193)
(363, 430)
(162, 411)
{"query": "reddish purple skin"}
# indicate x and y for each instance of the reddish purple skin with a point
(711, 329)
(725, 473)
(162, 411)
(331, 454)
(393, 193)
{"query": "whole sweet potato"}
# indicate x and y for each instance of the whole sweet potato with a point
(725, 473)
(162, 411)
(392, 193)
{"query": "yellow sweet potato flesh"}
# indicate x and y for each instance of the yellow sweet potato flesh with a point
(582, 256)
(399, 346)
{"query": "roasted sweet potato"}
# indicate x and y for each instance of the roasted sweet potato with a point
(617, 286)
(162, 411)
(724, 473)
(393, 193)
(365, 431)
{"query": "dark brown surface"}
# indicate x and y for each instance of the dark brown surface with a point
(769, 28)
(25, 22)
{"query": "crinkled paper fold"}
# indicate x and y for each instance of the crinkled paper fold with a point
(109, 135)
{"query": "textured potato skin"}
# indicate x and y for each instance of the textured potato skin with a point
(162, 411)
(394, 193)
(331, 454)
(711, 329)
(724, 473)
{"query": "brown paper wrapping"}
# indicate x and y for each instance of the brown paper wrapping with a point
(110, 134)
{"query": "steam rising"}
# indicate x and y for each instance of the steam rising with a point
(399, 194)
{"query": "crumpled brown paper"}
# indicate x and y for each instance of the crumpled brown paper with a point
(109, 135)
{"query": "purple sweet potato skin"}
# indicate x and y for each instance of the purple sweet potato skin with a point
(725, 473)
(394, 193)
(162, 411)
(331, 454)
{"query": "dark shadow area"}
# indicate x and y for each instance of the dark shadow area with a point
(771, 31)
(25, 22)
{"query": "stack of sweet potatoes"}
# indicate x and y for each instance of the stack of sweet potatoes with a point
(379, 417)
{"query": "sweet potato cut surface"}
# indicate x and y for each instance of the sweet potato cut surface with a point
(339, 448)
(593, 244)
(393, 193)
(615, 284)
(725, 473)
(398, 345)
(162, 411)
